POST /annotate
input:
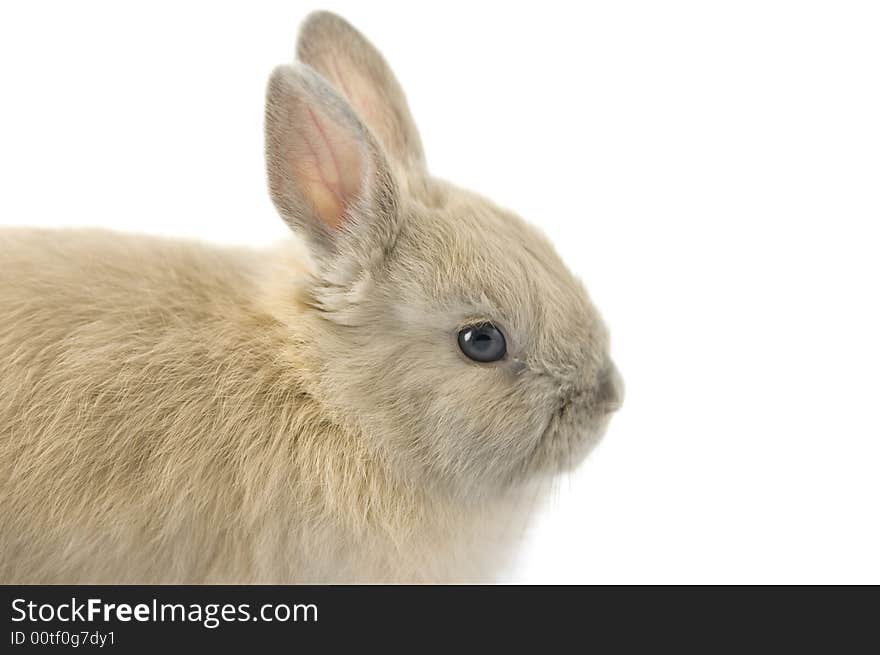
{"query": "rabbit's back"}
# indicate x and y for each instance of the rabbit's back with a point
(134, 371)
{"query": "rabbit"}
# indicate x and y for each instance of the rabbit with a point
(384, 397)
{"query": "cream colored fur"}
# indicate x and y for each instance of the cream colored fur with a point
(176, 412)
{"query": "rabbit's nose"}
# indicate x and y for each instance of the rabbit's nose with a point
(611, 390)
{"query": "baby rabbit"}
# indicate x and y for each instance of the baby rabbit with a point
(382, 399)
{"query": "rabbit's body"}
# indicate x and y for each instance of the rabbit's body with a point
(384, 398)
(156, 426)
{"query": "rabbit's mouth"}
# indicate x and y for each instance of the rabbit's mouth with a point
(576, 425)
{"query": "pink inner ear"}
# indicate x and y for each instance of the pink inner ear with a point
(329, 165)
(362, 94)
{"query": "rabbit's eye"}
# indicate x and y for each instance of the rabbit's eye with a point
(482, 343)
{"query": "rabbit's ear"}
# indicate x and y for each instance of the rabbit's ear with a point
(327, 176)
(358, 71)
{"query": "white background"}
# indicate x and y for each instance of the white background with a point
(711, 170)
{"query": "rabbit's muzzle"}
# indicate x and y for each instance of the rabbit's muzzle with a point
(580, 420)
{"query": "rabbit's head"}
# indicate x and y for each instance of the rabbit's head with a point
(447, 328)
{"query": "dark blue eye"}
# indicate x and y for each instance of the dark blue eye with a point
(482, 343)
